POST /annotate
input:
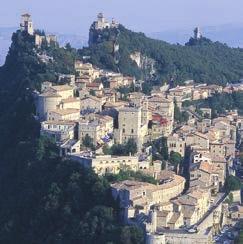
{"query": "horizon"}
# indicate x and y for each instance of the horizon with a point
(155, 16)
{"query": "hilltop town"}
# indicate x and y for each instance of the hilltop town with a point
(180, 157)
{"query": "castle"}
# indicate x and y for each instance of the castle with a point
(101, 23)
(26, 25)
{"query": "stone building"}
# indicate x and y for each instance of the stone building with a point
(26, 24)
(176, 144)
(140, 196)
(102, 23)
(63, 114)
(130, 126)
(98, 128)
(107, 163)
(60, 131)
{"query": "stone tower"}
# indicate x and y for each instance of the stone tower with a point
(101, 18)
(26, 24)
(197, 33)
(101, 22)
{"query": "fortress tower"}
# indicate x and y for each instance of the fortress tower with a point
(101, 22)
(26, 24)
(197, 33)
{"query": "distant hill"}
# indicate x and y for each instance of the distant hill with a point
(156, 61)
(231, 34)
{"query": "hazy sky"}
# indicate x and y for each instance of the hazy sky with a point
(75, 16)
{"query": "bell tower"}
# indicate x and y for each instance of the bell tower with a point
(26, 24)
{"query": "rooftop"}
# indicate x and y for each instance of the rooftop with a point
(71, 100)
(131, 185)
(49, 94)
(65, 111)
(61, 88)
(60, 122)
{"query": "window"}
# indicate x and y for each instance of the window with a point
(132, 131)
(123, 130)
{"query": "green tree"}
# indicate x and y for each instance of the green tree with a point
(131, 235)
(230, 199)
(131, 146)
(126, 174)
(232, 183)
(88, 141)
(175, 159)
(160, 149)
(180, 116)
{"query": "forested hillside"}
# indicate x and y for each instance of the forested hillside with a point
(201, 60)
(46, 199)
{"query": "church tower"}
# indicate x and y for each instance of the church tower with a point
(26, 24)
(197, 33)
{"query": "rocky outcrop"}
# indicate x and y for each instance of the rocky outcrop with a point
(146, 64)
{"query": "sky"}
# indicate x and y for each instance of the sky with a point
(76, 16)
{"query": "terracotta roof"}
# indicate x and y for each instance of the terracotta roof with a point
(206, 167)
(197, 194)
(94, 84)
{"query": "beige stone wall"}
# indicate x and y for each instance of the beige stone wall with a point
(217, 149)
(56, 116)
(176, 145)
(108, 164)
(74, 104)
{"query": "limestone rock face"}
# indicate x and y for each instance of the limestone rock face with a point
(146, 64)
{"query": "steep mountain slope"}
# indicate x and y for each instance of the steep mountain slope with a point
(201, 60)
(45, 198)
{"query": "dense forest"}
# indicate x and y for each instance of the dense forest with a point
(201, 60)
(46, 199)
